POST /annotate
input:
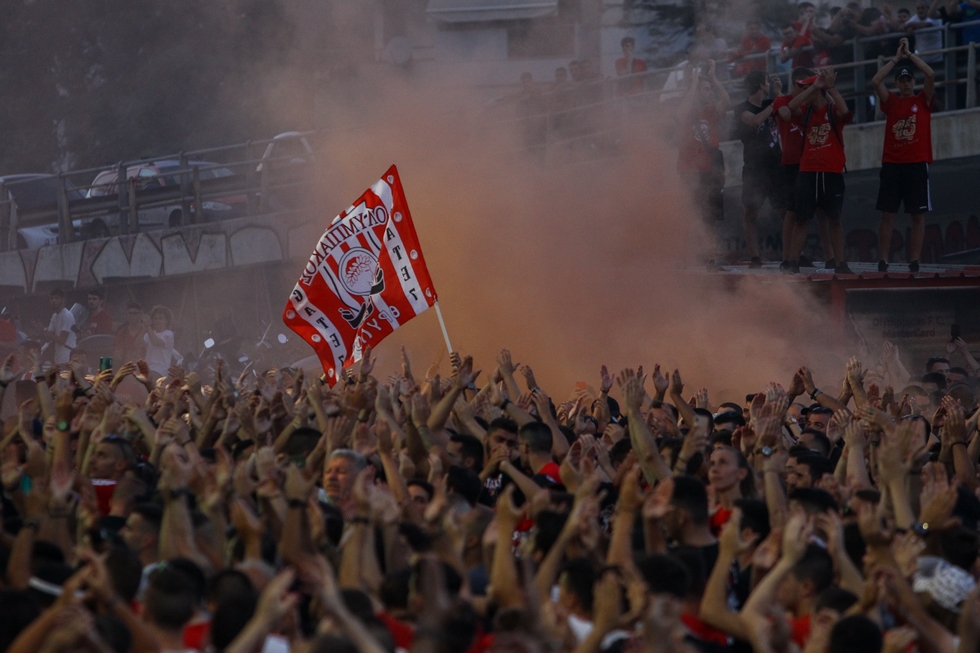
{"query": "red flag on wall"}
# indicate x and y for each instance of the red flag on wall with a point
(366, 278)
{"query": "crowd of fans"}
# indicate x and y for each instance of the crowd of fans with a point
(467, 510)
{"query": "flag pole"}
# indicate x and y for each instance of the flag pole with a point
(442, 323)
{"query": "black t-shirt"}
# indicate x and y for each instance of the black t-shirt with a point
(760, 145)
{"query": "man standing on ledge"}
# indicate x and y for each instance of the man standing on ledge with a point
(820, 184)
(756, 126)
(907, 152)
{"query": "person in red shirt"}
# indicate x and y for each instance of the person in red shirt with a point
(907, 152)
(806, 13)
(699, 160)
(795, 47)
(820, 183)
(630, 65)
(791, 142)
(753, 42)
(101, 322)
(128, 346)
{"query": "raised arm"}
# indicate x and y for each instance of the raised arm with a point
(644, 443)
(878, 81)
(723, 100)
(714, 602)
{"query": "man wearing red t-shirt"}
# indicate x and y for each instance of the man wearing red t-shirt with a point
(101, 322)
(907, 152)
(793, 47)
(791, 142)
(630, 65)
(820, 183)
(754, 41)
(699, 161)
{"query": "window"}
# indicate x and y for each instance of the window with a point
(541, 37)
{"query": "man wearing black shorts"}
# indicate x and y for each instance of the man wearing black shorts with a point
(820, 184)
(907, 152)
(758, 130)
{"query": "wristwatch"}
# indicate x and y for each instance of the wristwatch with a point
(62, 425)
(765, 451)
(813, 395)
(920, 528)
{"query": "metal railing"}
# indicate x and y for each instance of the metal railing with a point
(250, 179)
(616, 111)
(257, 179)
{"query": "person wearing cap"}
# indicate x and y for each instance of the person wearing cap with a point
(907, 151)
(820, 184)
(791, 142)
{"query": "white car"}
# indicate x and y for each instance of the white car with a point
(33, 194)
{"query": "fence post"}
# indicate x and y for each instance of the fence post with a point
(249, 180)
(14, 224)
(264, 186)
(860, 102)
(878, 114)
(949, 74)
(133, 214)
(122, 186)
(5, 227)
(185, 202)
(65, 231)
(971, 76)
(198, 207)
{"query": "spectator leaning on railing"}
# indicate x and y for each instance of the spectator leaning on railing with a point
(754, 42)
(926, 18)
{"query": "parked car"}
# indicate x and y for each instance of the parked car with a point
(165, 173)
(288, 148)
(36, 195)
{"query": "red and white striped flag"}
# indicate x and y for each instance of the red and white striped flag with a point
(366, 277)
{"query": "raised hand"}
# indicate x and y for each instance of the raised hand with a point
(528, 375)
(660, 382)
(367, 364)
(657, 503)
(855, 374)
(505, 363)
(605, 380)
(676, 384)
(7, 373)
(466, 375)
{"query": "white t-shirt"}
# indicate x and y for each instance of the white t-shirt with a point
(63, 320)
(160, 358)
(926, 41)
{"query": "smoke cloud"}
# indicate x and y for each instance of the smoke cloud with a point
(569, 266)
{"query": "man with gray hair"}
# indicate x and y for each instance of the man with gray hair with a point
(338, 478)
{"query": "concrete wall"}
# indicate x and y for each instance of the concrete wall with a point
(159, 254)
(955, 134)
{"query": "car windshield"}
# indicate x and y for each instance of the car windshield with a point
(39, 192)
(170, 171)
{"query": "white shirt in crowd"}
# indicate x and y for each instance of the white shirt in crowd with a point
(928, 41)
(63, 320)
(160, 359)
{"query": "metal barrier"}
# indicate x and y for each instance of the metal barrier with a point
(179, 195)
(253, 172)
(854, 86)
